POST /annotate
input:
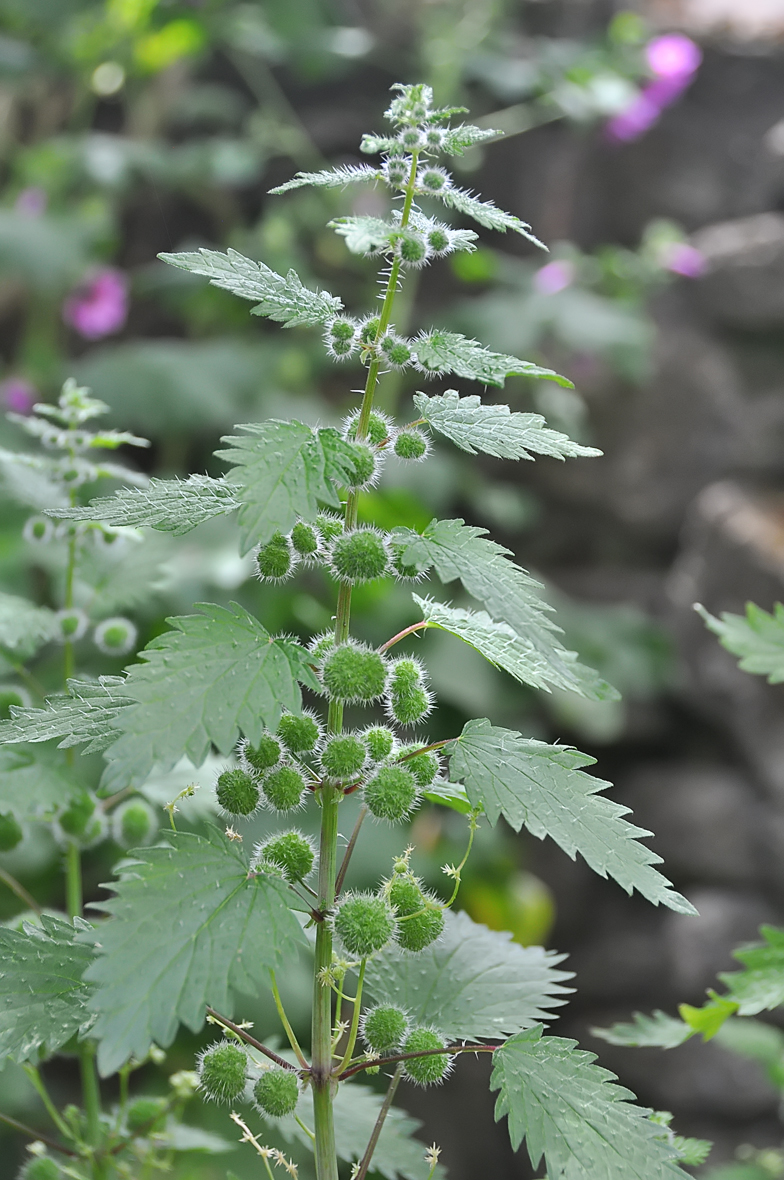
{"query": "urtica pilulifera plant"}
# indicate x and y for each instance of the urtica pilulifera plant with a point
(195, 915)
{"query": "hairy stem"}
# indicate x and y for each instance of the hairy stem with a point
(91, 1095)
(447, 1051)
(378, 1128)
(20, 891)
(321, 1048)
(402, 635)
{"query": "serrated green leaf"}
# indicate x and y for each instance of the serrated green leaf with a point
(452, 795)
(282, 471)
(170, 505)
(43, 1001)
(544, 788)
(439, 352)
(356, 1109)
(657, 1031)
(458, 550)
(758, 639)
(528, 662)
(458, 139)
(24, 627)
(188, 923)
(284, 299)
(87, 714)
(331, 178)
(215, 674)
(709, 1018)
(761, 985)
(486, 213)
(364, 235)
(473, 982)
(691, 1152)
(575, 1114)
(35, 784)
(474, 426)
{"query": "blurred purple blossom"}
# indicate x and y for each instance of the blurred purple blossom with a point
(99, 306)
(683, 259)
(31, 202)
(18, 395)
(673, 60)
(554, 277)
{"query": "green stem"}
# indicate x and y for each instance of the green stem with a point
(33, 1134)
(91, 1095)
(284, 1020)
(20, 891)
(43, 1094)
(352, 1036)
(73, 880)
(321, 1047)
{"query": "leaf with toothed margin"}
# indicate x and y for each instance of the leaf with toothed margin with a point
(757, 638)
(331, 178)
(439, 352)
(545, 789)
(486, 213)
(473, 425)
(169, 505)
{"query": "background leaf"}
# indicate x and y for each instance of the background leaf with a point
(475, 426)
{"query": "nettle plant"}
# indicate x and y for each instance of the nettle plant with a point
(400, 983)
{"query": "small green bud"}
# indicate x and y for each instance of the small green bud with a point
(77, 815)
(40, 1167)
(434, 180)
(411, 444)
(391, 793)
(343, 756)
(274, 561)
(379, 428)
(11, 696)
(405, 894)
(276, 1093)
(396, 171)
(384, 1027)
(438, 240)
(369, 330)
(403, 569)
(263, 756)
(320, 645)
(72, 623)
(360, 555)
(115, 637)
(11, 833)
(283, 788)
(425, 1071)
(396, 351)
(299, 735)
(223, 1070)
(144, 1115)
(329, 526)
(434, 138)
(408, 701)
(237, 793)
(413, 249)
(418, 931)
(410, 138)
(291, 852)
(305, 540)
(134, 824)
(424, 766)
(380, 742)
(365, 463)
(38, 530)
(341, 329)
(364, 923)
(353, 672)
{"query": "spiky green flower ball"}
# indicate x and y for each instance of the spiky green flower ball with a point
(283, 788)
(413, 249)
(10, 832)
(291, 852)
(396, 172)
(402, 569)
(77, 815)
(369, 330)
(364, 923)
(380, 742)
(379, 428)
(237, 793)
(276, 1093)
(321, 644)
(438, 240)
(263, 756)
(410, 137)
(223, 1070)
(8, 697)
(329, 526)
(40, 1167)
(405, 894)
(353, 672)
(365, 465)
(411, 444)
(343, 756)
(416, 932)
(434, 180)
(384, 1028)
(305, 539)
(299, 735)
(425, 1071)
(144, 1115)
(341, 329)
(391, 793)
(274, 561)
(424, 766)
(397, 351)
(134, 824)
(434, 137)
(359, 556)
(407, 698)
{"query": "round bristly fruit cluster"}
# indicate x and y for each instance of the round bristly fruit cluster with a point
(420, 914)
(364, 923)
(343, 757)
(384, 1027)
(237, 793)
(352, 672)
(134, 824)
(276, 1093)
(361, 555)
(407, 698)
(223, 1072)
(290, 853)
(433, 1066)
(391, 793)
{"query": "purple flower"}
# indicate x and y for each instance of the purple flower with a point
(683, 259)
(554, 277)
(18, 395)
(633, 121)
(31, 202)
(99, 306)
(673, 56)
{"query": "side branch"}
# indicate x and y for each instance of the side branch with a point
(379, 1125)
(249, 1040)
(24, 1130)
(448, 1050)
(402, 635)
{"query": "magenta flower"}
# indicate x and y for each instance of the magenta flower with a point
(683, 259)
(673, 60)
(31, 202)
(99, 306)
(18, 395)
(673, 56)
(554, 277)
